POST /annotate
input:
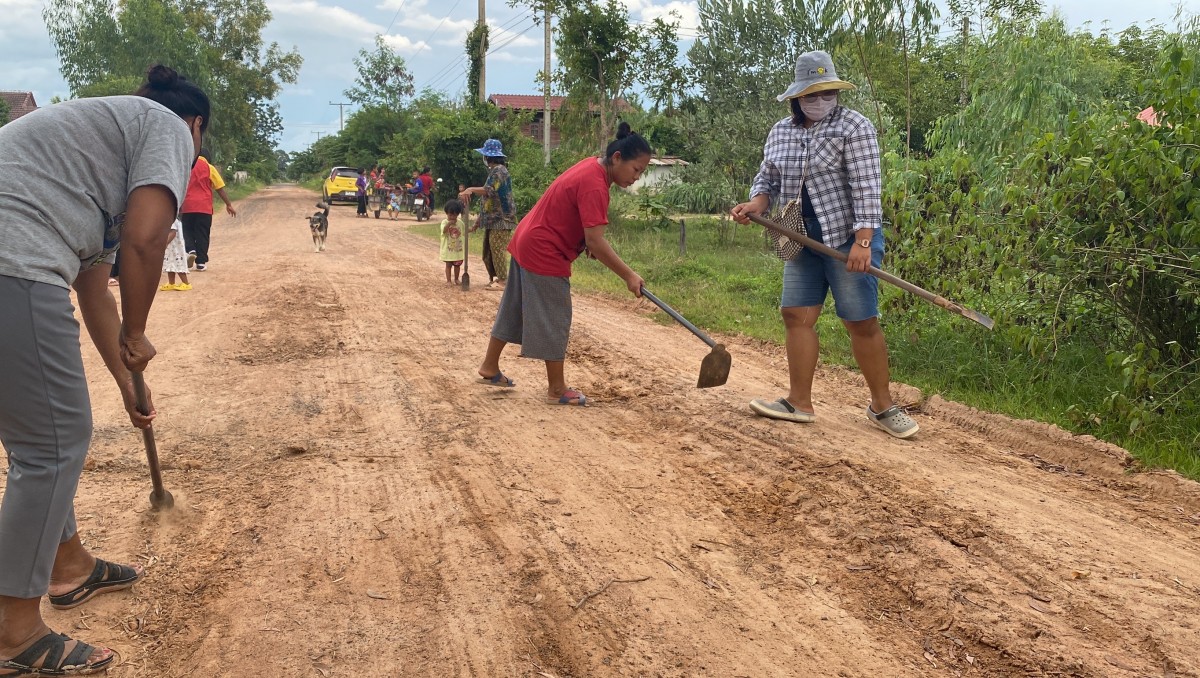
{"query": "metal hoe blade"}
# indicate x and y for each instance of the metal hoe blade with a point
(714, 369)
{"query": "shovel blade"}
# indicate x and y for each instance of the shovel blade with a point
(714, 369)
(466, 282)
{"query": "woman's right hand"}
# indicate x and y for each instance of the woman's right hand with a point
(757, 205)
(129, 396)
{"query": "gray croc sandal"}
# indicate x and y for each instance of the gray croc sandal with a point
(781, 409)
(894, 421)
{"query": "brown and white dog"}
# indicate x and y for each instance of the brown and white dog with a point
(318, 223)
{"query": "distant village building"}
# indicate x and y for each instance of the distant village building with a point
(535, 103)
(660, 173)
(19, 103)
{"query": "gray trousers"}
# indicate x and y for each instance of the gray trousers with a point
(45, 426)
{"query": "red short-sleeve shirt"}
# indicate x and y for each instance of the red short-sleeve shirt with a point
(551, 236)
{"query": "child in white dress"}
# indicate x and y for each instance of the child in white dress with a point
(175, 261)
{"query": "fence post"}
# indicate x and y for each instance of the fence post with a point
(682, 237)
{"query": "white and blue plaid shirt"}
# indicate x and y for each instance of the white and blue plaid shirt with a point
(838, 157)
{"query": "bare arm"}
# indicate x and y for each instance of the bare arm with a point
(599, 248)
(148, 217)
(228, 203)
(99, 311)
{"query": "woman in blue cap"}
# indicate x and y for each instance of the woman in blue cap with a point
(824, 161)
(497, 216)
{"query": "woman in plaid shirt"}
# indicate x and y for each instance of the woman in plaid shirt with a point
(824, 158)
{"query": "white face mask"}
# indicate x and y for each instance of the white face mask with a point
(818, 107)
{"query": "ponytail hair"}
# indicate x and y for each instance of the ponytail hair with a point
(163, 85)
(628, 143)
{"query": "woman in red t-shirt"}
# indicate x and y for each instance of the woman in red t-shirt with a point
(569, 219)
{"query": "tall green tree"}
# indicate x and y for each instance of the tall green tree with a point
(105, 47)
(5, 111)
(381, 77)
(598, 49)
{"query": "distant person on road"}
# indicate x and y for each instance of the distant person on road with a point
(175, 261)
(393, 206)
(452, 240)
(197, 210)
(116, 178)
(360, 185)
(568, 220)
(826, 156)
(497, 215)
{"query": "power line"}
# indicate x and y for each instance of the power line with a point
(397, 16)
(439, 26)
(494, 50)
(448, 69)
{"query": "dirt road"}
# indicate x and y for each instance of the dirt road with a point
(350, 502)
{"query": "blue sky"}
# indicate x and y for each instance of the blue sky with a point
(428, 33)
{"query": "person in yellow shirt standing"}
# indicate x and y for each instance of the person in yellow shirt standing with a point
(196, 213)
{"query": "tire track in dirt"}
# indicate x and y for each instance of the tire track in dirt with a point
(352, 504)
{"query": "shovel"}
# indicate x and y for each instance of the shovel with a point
(160, 498)
(882, 275)
(714, 369)
(466, 277)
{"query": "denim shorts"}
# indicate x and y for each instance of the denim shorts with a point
(809, 276)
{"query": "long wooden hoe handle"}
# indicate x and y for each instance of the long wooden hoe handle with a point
(882, 275)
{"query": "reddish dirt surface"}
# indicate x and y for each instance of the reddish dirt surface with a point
(351, 502)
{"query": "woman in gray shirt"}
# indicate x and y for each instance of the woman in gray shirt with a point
(77, 180)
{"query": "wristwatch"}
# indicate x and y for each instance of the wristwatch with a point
(864, 243)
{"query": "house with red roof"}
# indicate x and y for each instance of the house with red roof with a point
(19, 103)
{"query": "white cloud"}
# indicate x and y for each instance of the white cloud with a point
(404, 45)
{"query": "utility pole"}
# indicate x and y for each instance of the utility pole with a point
(546, 92)
(482, 52)
(341, 118)
(318, 135)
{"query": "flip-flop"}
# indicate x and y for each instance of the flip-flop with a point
(498, 379)
(50, 652)
(572, 396)
(106, 578)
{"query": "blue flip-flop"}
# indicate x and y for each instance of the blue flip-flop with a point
(572, 396)
(498, 380)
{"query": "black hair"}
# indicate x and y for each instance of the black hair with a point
(362, 170)
(493, 160)
(424, 170)
(165, 86)
(798, 116)
(628, 143)
(453, 207)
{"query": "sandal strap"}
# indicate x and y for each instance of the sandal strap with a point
(48, 652)
(104, 574)
(786, 405)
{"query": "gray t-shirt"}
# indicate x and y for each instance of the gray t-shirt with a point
(66, 172)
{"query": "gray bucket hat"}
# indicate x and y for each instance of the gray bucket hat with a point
(814, 73)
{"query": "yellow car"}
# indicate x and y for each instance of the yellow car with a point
(340, 186)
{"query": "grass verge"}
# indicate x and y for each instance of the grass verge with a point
(732, 282)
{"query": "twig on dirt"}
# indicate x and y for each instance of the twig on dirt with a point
(602, 589)
(669, 564)
(960, 594)
(714, 541)
(635, 487)
(514, 487)
(701, 547)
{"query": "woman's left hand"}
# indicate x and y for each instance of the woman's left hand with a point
(859, 260)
